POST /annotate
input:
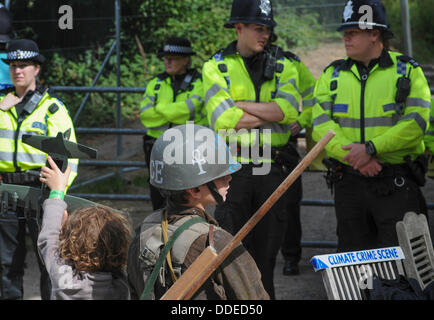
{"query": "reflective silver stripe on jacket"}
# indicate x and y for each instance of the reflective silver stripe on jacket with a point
(308, 91)
(418, 118)
(74, 166)
(289, 97)
(149, 105)
(323, 118)
(215, 88)
(222, 107)
(10, 134)
(369, 122)
(23, 157)
(381, 121)
(417, 102)
(327, 105)
(147, 96)
(309, 102)
(191, 107)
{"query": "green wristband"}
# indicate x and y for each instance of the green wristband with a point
(57, 194)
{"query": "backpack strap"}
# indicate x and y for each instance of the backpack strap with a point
(150, 283)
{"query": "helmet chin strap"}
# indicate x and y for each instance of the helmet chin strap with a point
(213, 189)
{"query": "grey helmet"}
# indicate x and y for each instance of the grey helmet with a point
(190, 155)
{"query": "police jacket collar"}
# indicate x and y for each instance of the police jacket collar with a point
(230, 49)
(384, 61)
(164, 75)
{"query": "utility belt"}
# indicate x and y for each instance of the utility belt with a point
(9, 206)
(391, 177)
(23, 178)
(286, 156)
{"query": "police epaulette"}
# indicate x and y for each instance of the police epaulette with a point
(409, 59)
(162, 75)
(291, 56)
(335, 63)
(217, 52)
(53, 94)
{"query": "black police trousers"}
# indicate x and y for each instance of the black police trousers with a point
(291, 246)
(367, 216)
(246, 194)
(13, 253)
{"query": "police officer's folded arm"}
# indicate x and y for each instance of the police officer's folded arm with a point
(248, 121)
(151, 118)
(184, 109)
(268, 111)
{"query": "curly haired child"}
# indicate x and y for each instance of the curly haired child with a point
(85, 252)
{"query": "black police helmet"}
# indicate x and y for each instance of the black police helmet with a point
(176, 46)
(355, 15)
(6, 30)
(23, 50)
(251, 11)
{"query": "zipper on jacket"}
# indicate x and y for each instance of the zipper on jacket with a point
(16, 135)
(363, 78)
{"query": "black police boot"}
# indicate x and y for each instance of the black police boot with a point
(290, 268)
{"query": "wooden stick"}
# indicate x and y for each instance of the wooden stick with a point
(181, 285)
(196, 283)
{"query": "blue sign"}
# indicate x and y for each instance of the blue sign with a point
(356, 257)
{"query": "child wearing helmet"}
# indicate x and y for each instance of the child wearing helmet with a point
(193, 170)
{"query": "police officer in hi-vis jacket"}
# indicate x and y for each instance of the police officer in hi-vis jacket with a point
(378, 103)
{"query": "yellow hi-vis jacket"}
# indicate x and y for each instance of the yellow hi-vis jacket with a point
(160, 108)
(429, 142)
(226, 80)
(429, 135)
(361, 109)
(49, 117)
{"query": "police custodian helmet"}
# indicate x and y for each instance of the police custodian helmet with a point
(188, 156)
(251, 11)
(355, 16)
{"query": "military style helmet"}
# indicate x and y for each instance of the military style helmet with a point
(251, 11)
(355, 16)
(188, 156)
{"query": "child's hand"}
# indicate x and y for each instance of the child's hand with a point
(54, 178)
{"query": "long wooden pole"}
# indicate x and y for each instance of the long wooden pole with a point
(196, 283)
